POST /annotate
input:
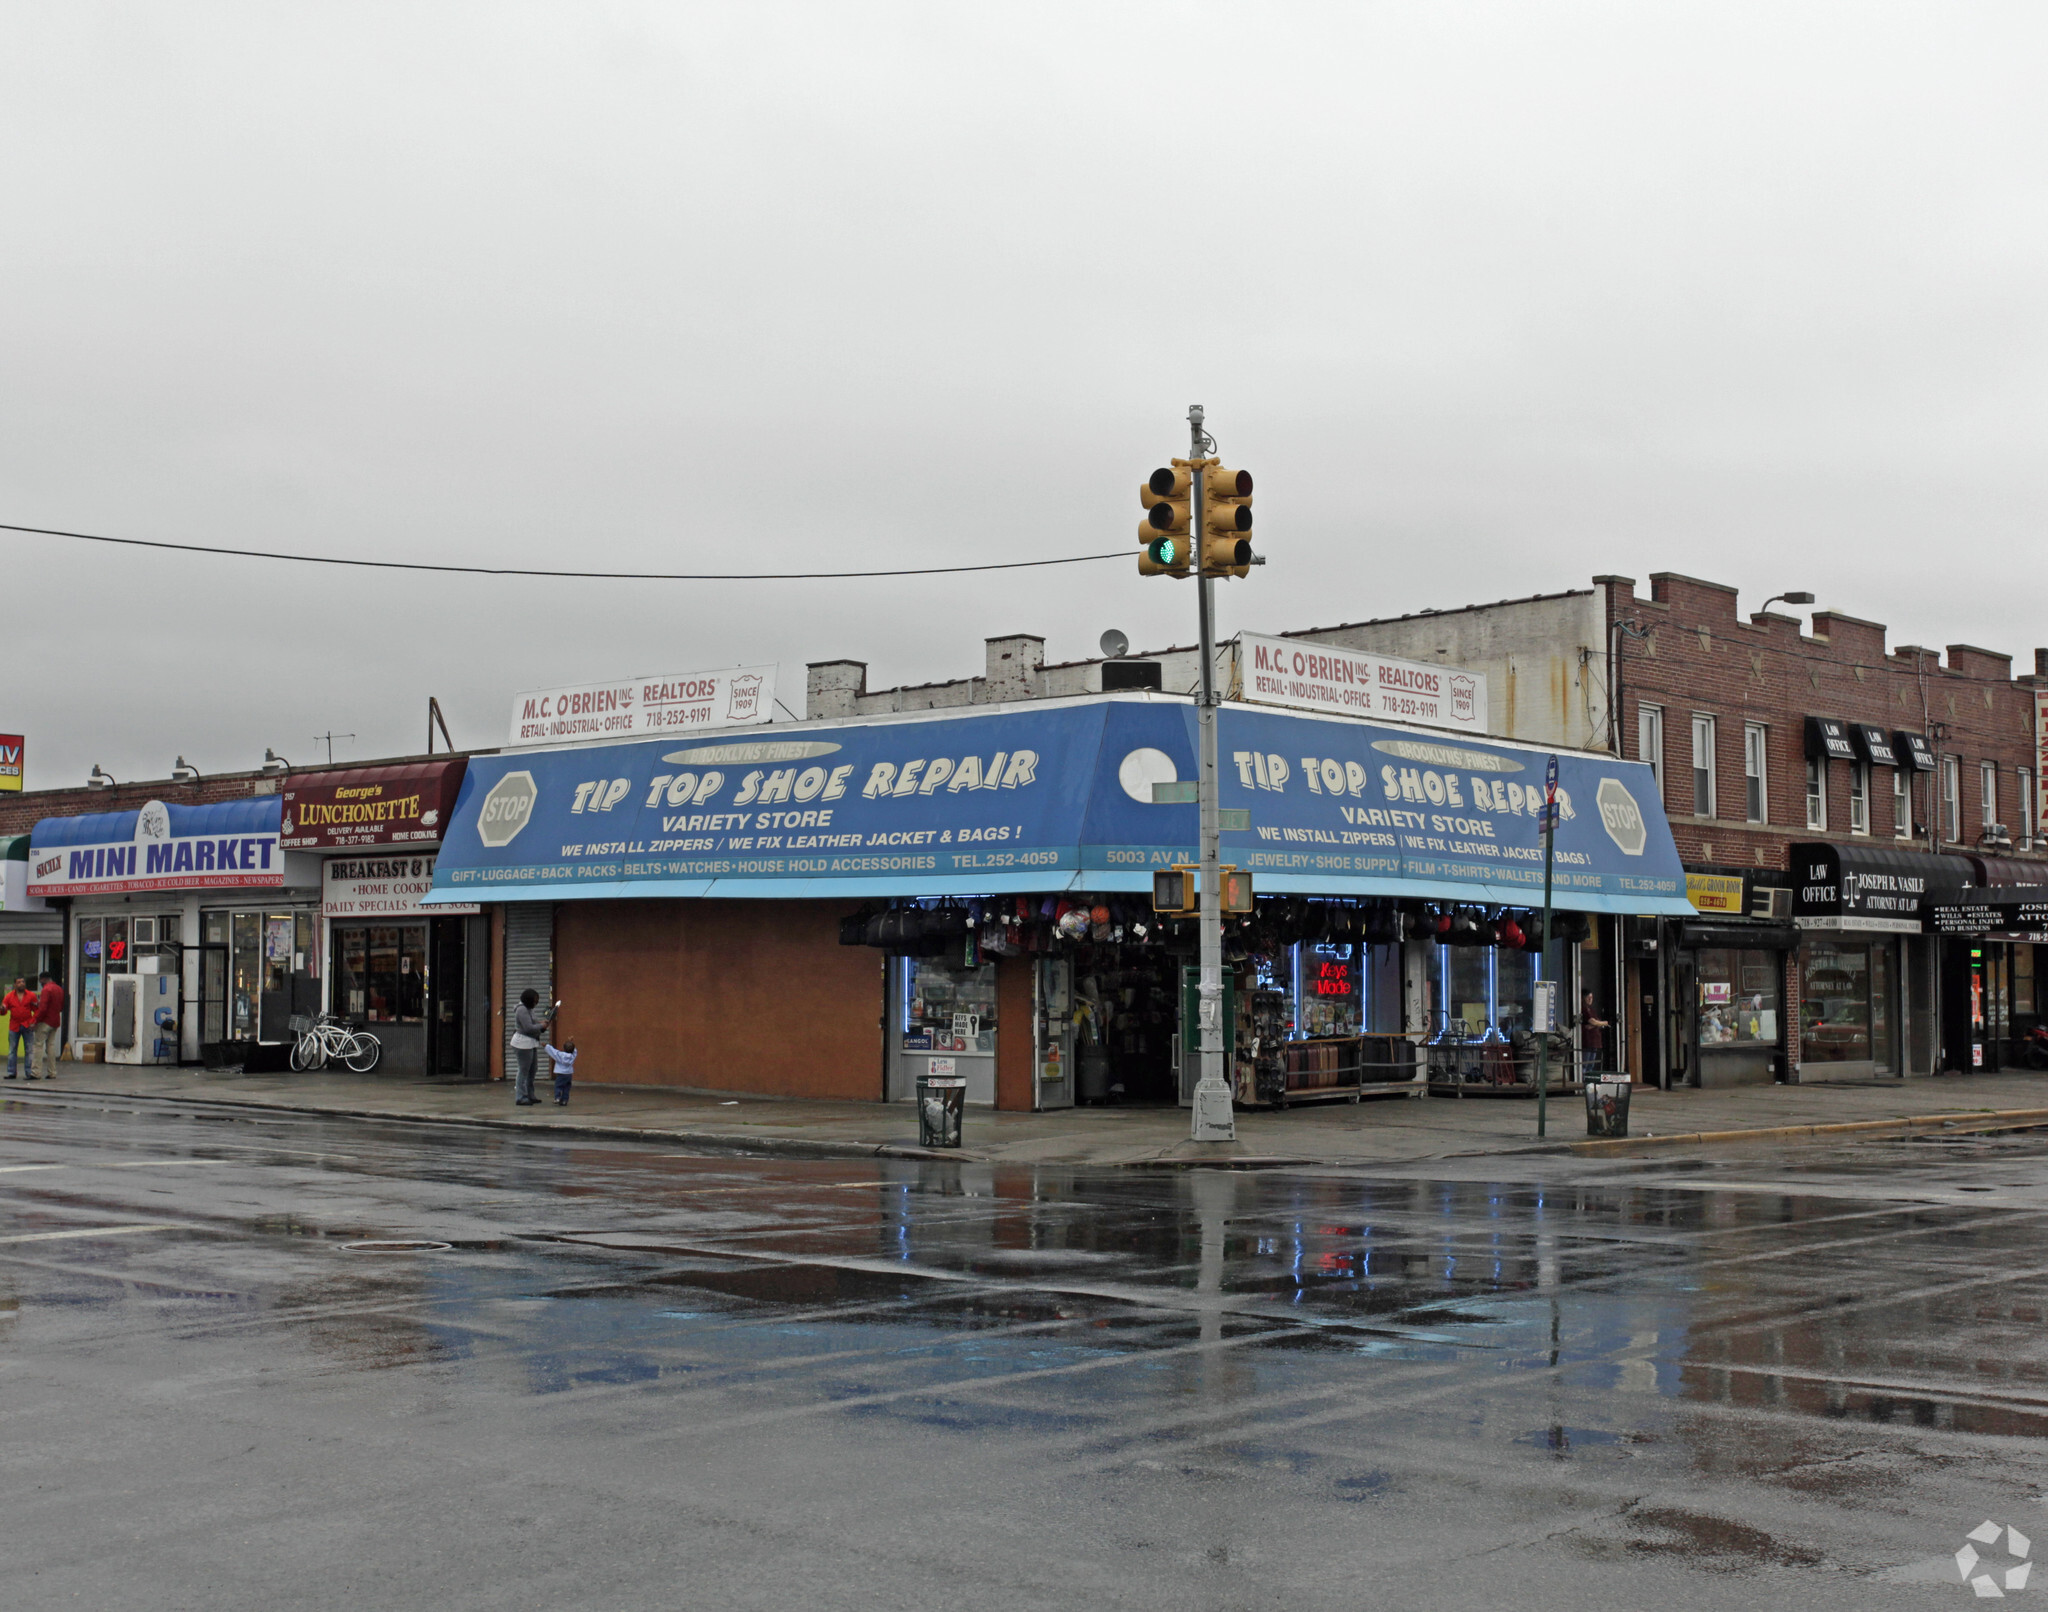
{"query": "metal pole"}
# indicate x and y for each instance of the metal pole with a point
(1549, 965)
(1214, 1118)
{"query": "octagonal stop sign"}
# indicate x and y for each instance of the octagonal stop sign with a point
(1621, 817)
(506, 809)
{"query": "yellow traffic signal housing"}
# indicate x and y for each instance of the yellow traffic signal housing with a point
(1174, 893)
(1169, 542)
(1226, 522)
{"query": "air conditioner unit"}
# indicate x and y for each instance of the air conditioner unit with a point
(1770, 901)
(145, 931)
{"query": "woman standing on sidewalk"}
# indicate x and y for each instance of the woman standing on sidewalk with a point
(528, 1030)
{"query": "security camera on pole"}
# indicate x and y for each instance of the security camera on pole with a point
(1196, 515)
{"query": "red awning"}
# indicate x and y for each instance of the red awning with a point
(359, 807)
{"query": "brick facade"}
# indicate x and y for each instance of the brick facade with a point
(1699, 658)
(1696, 657)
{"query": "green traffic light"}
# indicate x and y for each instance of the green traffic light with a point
(1163, 552)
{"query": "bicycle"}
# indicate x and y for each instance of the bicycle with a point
(329, 1038)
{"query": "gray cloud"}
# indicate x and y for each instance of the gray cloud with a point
(1489, 299)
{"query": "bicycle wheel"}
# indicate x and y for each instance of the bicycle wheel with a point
(305, 1053)
(363, 1053)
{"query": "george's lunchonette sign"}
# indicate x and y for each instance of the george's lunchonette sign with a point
(381, 888)
(1349, 682)
(641, 707)
(367, 806)
(229, 845)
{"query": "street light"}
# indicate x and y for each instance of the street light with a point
(1789, 598)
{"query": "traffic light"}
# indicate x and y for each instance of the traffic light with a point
(1169, 546)
(1175, 892)
(1226, 522)
(1236, 890)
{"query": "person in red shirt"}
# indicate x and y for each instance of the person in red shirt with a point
(49, 1025)
(21, 1004)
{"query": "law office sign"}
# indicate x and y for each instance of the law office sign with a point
(1349, 682)
(643, 707)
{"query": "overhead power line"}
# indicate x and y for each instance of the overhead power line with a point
(568, 576)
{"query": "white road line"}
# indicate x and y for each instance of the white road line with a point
(151, 1164)
(16, 1169)
(88, 1231)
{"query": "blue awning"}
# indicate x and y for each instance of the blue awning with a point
(1052, 798)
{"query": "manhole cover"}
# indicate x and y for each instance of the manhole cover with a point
(395, 1248)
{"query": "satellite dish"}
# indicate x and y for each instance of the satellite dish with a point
(1114, 643)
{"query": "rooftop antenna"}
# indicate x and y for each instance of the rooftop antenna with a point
(1115, 645)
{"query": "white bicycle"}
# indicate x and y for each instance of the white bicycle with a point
(329, 1039)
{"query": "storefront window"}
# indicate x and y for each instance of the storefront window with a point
(1329, 984)
(92, 963)
(1738, 997)
(947, 1008)
(1845, 1002)
(2023, 979)
(1483, 991)
(383, 972)
(245, 975)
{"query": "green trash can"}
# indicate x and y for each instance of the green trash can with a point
(1607, 1107)
(941, 1105)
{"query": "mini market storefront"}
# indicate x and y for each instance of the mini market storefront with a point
(192, 934)
(836, 909)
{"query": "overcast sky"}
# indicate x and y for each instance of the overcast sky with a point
(1488, 298)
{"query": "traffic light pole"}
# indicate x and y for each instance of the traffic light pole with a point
(1214, 1119)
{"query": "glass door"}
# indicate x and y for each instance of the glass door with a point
(1057, 1074)
(446, 984)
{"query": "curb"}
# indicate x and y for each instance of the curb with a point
(1985, 1119)
(774, 1146)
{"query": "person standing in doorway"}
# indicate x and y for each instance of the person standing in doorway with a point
(1592, 1036)
(49, 1025)
(20, 1004)
(529, 1029)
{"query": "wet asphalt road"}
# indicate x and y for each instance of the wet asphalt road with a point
(641, 1379)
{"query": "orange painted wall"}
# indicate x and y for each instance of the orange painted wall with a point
(741, 996)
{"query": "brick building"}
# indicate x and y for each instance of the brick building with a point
(1823, 763)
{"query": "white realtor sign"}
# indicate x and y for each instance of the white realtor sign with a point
(372, 887)
(640, 707)
(1350, 682)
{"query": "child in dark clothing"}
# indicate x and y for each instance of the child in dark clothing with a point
(564, 1059)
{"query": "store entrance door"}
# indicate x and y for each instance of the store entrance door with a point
(1057, 1074)
(213, 1000)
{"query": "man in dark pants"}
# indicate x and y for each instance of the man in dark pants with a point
(528, 1030)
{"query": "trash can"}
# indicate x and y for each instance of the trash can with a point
(941, 1101)
(1607, 1107)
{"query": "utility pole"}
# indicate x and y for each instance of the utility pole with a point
(1215, 1117)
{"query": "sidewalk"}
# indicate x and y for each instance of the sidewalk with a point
(1385, 1130)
